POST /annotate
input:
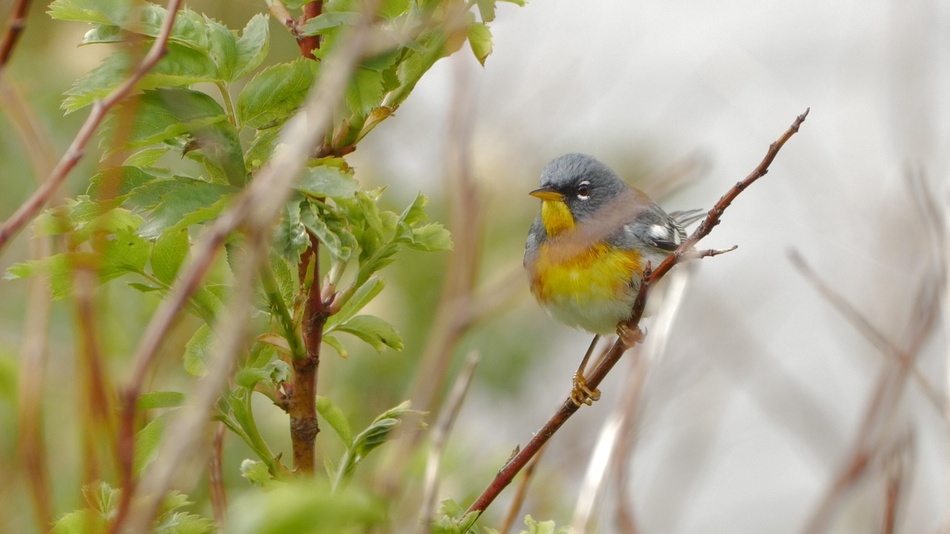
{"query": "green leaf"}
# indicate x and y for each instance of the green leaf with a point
(378, 432)
(222, 48)
(275, 93)
(163, 114)
(160, 399)
(291, 239)
(332, 228)
(252, 45)
(329, 21)
(335, 344)
(486, 8)
(333, 415)
(365, 91)
(103, 33)
(181, 203)
(179, 67)
(198, 351)
(356, 302)
(122, 254)
(431, 237)
(117, 181)
(257, 473)
(95, 11)
(261, 149)
(328, 181)
(375, 331)
(479, 37)
(168, 253)
(147, 442)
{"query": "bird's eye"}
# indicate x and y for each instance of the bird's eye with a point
(583, 190)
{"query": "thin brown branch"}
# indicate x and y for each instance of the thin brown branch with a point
(15, 27)
(651, 276)
(440, 434)
(521, 493)
(29, 209)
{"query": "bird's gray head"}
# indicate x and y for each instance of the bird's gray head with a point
(584, 183)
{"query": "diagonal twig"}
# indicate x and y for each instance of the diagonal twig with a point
(569, 407)
(15, 27)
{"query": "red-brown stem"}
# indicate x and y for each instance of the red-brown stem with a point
(651, 276)
(301, 401)
(14, 30)
(310, 43)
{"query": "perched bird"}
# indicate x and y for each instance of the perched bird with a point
(587, 250)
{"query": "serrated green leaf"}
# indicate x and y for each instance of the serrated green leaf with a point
(168, 253)
(365, 91)
(59, 269)
(180, 66)
(479, 37)
(147, 157)
(332, 228)
(252, 45)
(486, 9)
(275, 93)
(94, 11)
(160, 399)
(431, 237)
(333, 415)
(81, 522)
(222, 48)
(181, 203)
(163, 114)
(327, 181)
(373, 330)
(198, 351)
(122, 254)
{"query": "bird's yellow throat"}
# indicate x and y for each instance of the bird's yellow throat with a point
(555, 217)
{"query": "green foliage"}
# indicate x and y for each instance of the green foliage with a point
(102, 502)
(176, 155)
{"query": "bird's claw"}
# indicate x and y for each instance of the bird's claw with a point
(582, 393)
(630, 336)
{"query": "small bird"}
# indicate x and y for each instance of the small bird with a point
(587, 250)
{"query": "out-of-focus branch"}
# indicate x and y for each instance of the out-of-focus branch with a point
(873, 438)
(15, 27)
(29, 209)
(683, 253)
(440, 434)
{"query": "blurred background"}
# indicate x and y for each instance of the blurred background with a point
(760, 393)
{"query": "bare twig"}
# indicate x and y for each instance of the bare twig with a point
(29, 209)
(568, 408)
(869, 331)
(881, 410)
(440, 434)
(15, 27)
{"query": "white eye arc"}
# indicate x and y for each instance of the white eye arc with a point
(583, 190)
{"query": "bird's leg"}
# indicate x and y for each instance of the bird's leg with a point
(582, 394)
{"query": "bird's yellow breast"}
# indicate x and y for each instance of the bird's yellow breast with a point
(599, 273)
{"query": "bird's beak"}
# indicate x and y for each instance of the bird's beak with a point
(546, 193)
